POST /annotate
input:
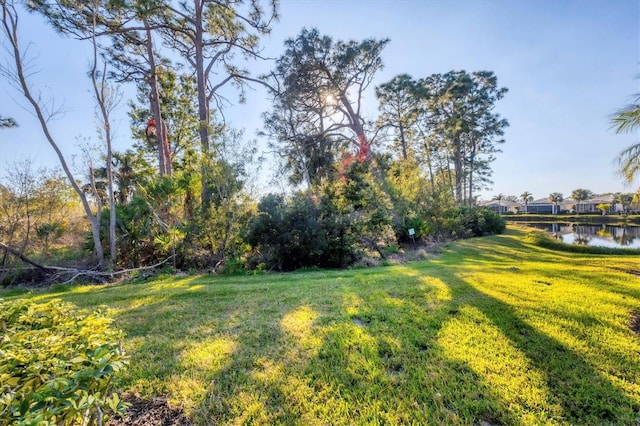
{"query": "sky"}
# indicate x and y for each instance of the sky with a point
(568, 66)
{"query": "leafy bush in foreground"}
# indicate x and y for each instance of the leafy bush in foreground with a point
(57, 365)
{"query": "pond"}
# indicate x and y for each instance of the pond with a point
(600, 234)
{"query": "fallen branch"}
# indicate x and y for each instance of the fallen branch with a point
(24, 258)
(97, 274)
(57, 273)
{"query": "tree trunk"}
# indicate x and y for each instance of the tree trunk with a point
(458, 166)
(364, 148)
(27, 236)
(403, 143)
(471, 167)
(95, 219)
(471, 161)
(10, 24)
(203, 103)
(470, 200)
(164, 160)
(100, 93)
(429, 156)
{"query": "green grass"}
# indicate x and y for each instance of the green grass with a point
(493, 330)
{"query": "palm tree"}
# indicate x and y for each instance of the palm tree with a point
(499, 198)
(623, 199)
(125, 175)
(526, 198)
(556, 197)
(580, 195)
(627, 120)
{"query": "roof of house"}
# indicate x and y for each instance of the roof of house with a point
(599, 200)
(505, 203)
(546, 201)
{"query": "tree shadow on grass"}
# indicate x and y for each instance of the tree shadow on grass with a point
(303, 359)
(385, 362)
(227, 363)
(583, 393)
(185, 336)
(372, 349)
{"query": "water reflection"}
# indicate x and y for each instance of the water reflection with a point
(601, 234)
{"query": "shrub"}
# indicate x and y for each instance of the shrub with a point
(483, 221)
(57, 365)
(464, 222)
(288, 232)
(333, 228)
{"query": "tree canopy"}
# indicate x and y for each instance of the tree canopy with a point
(366, 177)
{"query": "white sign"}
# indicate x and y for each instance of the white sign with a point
(412, 232)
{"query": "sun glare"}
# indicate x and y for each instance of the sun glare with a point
(330, 99)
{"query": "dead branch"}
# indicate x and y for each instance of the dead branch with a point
(25, 259)
(55, 274)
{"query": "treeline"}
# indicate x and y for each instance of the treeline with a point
(351, 215)
(182, 191)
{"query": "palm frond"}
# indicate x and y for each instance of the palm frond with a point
(627, 119)
(629, 162)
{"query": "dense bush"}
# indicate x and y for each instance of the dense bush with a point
(482, 221)
(287, 232)
(465, 222)
(349, 219)
(57, 365)
(332, 228)
(296, 233)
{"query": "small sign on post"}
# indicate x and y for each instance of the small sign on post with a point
(412, 234)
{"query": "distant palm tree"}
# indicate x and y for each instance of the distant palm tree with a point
(624, 121)
(580, 195)
(526, 198)
(556, 197)
(499, 198)
(623, 199)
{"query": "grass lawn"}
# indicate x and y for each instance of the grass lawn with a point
(492, 331)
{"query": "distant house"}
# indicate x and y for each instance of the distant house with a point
(502, 206)
(591, 205)
(544, 206)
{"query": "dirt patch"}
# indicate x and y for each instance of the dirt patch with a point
(635, 322)
(413, 252)
(156, 412)
(361, 323)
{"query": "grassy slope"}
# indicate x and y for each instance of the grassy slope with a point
(492, 330)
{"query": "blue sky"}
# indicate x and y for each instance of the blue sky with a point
(568, 66)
